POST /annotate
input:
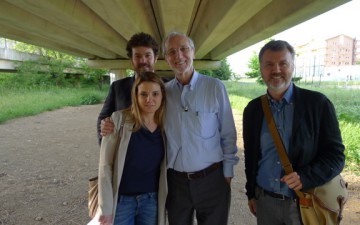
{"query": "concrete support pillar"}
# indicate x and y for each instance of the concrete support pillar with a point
(117, 74)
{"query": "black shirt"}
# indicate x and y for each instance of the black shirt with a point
(142, 163)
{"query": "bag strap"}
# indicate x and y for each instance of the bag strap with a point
(280, 148)
(285, 162)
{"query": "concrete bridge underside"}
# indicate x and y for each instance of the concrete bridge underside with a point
(99, 30)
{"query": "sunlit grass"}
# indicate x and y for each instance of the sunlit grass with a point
(16, 101)
(19, 103)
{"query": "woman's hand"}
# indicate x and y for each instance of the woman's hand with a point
(106, 219)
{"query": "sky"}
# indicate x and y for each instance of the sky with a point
(344, 19)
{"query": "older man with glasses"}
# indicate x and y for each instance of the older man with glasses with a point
(201, 140)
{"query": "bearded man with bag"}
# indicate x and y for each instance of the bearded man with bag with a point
(309, 132)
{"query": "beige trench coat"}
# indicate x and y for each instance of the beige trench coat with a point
(109, 179)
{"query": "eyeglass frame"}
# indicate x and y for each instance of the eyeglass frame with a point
(174, 51)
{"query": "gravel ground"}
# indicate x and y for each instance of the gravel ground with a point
(45, 161)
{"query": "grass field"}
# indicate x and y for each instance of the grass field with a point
(21, 96)
(18, 100)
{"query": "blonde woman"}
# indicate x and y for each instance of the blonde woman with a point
(132, 174)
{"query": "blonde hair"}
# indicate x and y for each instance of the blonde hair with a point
(135, 109)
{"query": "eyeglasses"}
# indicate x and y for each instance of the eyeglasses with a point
(173, 51)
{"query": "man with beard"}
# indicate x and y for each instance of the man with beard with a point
(307, 124)
(142, 50)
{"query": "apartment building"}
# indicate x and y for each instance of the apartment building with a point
(335, 58)
(340, 51)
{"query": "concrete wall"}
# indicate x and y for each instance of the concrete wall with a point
(8, 58)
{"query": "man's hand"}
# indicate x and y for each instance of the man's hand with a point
(252, 206)
(228, 180)
(293, 181)
(107, 126)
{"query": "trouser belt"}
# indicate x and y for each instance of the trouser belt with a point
(197, 174)
(276, 195)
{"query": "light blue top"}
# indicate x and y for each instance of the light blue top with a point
(199, 125)
(270, 168)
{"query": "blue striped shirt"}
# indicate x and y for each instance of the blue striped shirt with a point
(270, 168)
(199, 125)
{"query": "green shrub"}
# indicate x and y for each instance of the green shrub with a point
(90, 100)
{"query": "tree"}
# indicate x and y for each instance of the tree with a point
(223, 73)
(93, 75)
(254, 67)
(52, 67)
(3, 43)
(28, 48)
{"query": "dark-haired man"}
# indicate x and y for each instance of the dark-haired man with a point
(143, 52)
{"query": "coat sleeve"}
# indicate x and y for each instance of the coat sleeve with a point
(108, 150)
(227, 131)
(329, 158)
(107, 109)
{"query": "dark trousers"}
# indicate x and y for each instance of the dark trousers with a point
(209, 197)
(272, 211)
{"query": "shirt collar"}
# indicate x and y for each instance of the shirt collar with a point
(193, 80)
(288, 96)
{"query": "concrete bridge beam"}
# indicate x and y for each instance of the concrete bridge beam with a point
(117, 74)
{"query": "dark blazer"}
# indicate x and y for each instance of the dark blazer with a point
(119, 97)
(316, 149)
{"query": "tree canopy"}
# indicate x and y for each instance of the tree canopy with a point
(254, 67)
(223, 73)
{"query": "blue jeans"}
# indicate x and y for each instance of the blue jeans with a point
(137, 209)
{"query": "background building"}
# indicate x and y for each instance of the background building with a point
(340, 51)
(310, 60)
(357, 52)
(332, 59)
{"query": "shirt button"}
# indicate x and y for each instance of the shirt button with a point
(276, 180)
(278, 162)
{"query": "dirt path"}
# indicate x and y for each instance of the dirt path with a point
(45, 161)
